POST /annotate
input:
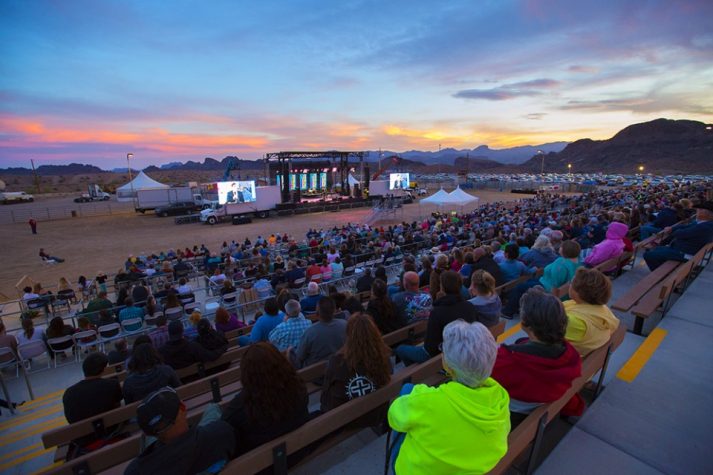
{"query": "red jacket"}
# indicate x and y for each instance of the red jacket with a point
(531, 378)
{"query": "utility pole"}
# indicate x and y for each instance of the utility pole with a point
(542, 165)
(37, 179)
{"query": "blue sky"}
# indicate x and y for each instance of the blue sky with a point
(89, 81)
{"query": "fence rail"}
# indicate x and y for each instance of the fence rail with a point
(51, 213)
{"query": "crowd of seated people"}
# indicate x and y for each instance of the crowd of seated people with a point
(459, 301)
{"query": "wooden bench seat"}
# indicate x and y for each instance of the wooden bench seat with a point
(530, 431)
(658, 297)
(635, 293)
(197, 393)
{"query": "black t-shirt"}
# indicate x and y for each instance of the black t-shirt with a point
(88, 398)
(193, 452)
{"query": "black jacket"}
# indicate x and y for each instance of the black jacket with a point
(446, 310)
(181, 353)
(488, 264)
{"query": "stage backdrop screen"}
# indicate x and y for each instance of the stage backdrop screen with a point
(398, 181)
(236, 192)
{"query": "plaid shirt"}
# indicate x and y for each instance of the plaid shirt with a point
(159, 336)
(289, 333)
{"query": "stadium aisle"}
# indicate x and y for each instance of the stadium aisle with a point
(660, 421)
(21, 449)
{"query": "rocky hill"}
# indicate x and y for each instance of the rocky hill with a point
(662, 146)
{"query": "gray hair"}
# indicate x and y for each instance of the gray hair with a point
(312, 288)
(542, 242)
(469, 350)
(292, 308)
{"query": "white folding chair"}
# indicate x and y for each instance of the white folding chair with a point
(59, 345)
(107, 333)
(33, 349)
(190, 307)
(7, 353)
(230, 300)
(175, 313)
(81, 345)
(127, 324)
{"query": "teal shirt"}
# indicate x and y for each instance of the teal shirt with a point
(558, 273)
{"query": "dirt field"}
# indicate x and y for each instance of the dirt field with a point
(95, 244)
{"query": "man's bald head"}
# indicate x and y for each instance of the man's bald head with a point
(411, 281)
(478, 253)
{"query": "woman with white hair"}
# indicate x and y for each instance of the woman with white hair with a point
(541, 254)
(472, 406)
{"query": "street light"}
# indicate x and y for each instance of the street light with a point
(569, 168)
(129, 156)
(542, 164)
(641, 169)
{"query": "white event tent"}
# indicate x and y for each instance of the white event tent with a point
(438, 198)
(459, 197)
(141, 182)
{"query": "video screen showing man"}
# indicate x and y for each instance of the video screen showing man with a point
(236, 192)
(399, 181)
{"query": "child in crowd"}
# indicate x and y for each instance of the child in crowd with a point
(590, 322)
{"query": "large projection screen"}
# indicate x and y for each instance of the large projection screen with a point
(236, 192)
(398, 181)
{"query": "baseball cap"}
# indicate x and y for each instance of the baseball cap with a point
(705, 205)
(158, 411)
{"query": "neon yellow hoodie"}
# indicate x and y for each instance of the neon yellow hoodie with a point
(589, 326)
(451, 429)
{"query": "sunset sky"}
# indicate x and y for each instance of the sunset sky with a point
(88, 81)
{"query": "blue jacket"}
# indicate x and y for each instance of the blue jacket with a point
(264, 325)
(690, 238)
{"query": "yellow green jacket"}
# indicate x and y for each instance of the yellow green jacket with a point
(451, 429)
(589, 326)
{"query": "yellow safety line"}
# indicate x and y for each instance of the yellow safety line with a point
(17, 452)
(48, 467)
(24, 458)
(509, 332)
(37, 429)
(43, 398)
(641, 356)
(9, 424)
(49, 402)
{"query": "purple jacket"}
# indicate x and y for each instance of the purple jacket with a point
(610, 247)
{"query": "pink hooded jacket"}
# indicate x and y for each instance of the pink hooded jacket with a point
(612, 246)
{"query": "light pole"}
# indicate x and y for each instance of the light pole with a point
(641, 169)
(129, 156)
(542, 161)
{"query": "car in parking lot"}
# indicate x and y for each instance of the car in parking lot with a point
(177, 208)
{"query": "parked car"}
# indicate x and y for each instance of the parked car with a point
(177, 208)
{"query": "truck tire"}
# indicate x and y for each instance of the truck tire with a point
(106, 198)
(263, 214)
(212, 220)
(31, 200)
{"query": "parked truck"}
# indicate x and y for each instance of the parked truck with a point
(267, 198)
(94, 193)
(11, 197)
(160, 197)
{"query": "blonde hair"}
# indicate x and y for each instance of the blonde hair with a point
(195, 317)
(483, 282)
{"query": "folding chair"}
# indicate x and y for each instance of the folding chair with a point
(81, 345)
(59, 345)
(33, 349)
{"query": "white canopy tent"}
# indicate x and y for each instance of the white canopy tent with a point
(459, 197)
(438, 198)
(141, 182)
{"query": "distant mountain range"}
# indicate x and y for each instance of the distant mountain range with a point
(662, 146)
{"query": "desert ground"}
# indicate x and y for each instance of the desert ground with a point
(93, 244)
